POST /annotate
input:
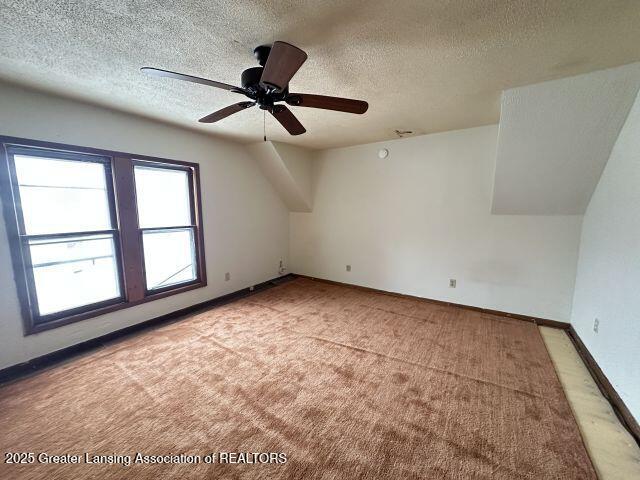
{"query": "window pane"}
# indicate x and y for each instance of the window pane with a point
(72, 272)
(169, 257)
(163, 197)
(60, 196)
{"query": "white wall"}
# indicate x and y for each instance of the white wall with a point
(299, 163)
(414, 220)
(288, 169)
(608, 280)
(245, 222)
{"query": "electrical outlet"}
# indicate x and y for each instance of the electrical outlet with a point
(452, 283)
(348, 268)
(596, 325)
(227, 277)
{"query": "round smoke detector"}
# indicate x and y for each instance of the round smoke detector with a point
(383, 153)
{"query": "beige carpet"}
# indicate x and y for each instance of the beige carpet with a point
(348, 384)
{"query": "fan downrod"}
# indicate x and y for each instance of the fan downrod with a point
(262, 53)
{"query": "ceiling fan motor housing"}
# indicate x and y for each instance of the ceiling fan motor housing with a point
(250, 78)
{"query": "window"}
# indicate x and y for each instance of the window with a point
(67, 230)
(93, 231)
(165, 218)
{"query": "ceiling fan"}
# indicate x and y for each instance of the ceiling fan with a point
(267, 85)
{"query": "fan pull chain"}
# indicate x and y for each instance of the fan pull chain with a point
(264, 124)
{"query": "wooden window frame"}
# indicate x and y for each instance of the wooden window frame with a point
(127, 236)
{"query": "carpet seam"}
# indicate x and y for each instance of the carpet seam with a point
(415, 364)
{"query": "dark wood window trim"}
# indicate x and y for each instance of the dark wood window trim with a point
(126, 233)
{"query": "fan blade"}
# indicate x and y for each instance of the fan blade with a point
(225, 112)
(287, 120)
(283, 62)
(328, 103)
(157, 72)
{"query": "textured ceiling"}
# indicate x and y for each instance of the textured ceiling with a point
(423, 65)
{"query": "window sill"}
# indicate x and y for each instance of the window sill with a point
(59, 322)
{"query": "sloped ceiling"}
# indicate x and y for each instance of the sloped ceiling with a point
(555, 139)
(288, 169)
(424, 65)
